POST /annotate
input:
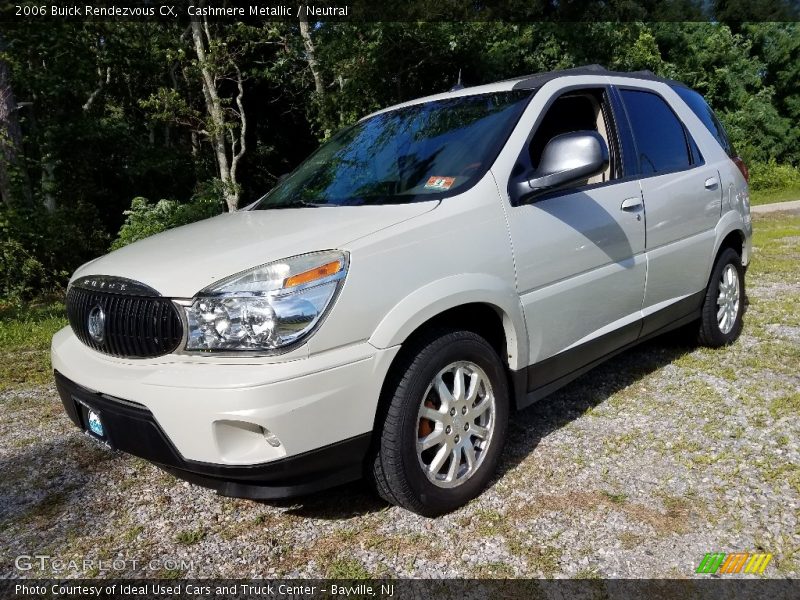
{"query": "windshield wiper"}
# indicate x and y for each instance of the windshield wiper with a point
(293, 204)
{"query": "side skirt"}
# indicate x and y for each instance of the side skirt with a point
(551, 374)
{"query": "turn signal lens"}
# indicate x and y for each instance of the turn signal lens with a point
(313, 274)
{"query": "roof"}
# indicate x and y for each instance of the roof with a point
(530, 82)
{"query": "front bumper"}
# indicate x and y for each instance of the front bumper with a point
(205, 420)
(131, 428)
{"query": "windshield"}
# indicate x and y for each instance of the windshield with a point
(420, 152)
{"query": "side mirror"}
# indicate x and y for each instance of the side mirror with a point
(567, 158)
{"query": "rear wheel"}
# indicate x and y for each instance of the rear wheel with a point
(723, 307)
(445, 425)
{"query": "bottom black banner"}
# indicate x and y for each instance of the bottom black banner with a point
(422, 589)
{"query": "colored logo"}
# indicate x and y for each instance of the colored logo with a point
(96, 324)
(738, 562)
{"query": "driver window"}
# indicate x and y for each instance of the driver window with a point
(574, 111)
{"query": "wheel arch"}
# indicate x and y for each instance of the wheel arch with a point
(731, 233)
(483, 304)
(735, 240)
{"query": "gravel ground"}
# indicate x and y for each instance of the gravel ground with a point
(637, 469)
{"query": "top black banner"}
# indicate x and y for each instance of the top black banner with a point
(729, 11)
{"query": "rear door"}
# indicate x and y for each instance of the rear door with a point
(734, 184)
(682, 198)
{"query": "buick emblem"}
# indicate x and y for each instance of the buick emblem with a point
(97, 324)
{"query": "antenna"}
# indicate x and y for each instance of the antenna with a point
(458, 85)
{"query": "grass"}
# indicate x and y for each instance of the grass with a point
(771, 196)
(49, 507)
(617, 443)
(489, 522)
(347, 568)
(785, 406)
(544, 560)
(190, 537)
(25, 334)
(494, 570)
(588, 573)
(615, 498)
(30, 327)
(630, 540)
(771, 228)
(132, 533)
(785, 473)
(775, 251)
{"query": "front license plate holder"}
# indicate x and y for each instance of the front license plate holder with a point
(92, 422)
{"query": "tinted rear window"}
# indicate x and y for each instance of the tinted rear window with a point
(660, 137)
(703, 111)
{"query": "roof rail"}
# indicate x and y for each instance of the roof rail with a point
(539, 79)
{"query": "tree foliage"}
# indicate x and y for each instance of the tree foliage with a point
(144, 218)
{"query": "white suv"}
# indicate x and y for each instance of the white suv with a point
(427, 271)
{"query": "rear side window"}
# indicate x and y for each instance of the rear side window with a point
(660, 138)
(703, 111)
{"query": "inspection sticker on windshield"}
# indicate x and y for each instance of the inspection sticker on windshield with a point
(440, 183)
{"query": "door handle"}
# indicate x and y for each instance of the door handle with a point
(631, 204)
(711, 183)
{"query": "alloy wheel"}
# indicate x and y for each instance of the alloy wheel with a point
(455, 424)
(728, 298)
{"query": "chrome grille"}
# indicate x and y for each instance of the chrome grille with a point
(134, 326)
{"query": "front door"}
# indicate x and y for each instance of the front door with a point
(579, 253)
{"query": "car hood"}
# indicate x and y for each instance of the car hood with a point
(182, 261)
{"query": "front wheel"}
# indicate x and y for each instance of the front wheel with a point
(723, 307)
(445, 426)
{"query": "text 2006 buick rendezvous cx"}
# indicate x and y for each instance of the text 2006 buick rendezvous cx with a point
(427, 271)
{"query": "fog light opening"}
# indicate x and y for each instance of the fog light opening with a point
(271, 438)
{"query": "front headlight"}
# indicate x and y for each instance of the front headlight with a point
(267, 307)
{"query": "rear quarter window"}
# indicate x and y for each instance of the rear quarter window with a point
(700, 107)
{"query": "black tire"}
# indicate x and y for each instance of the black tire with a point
(397, 474)
(709, 332)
